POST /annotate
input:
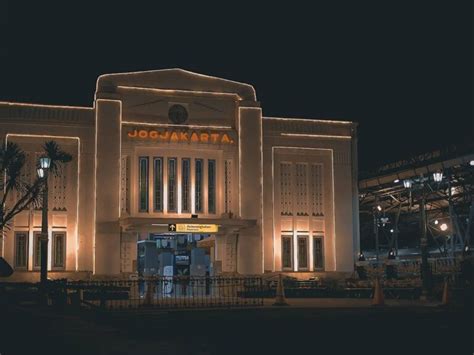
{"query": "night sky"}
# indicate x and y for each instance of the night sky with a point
(402, 70)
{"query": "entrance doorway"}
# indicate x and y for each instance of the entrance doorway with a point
(173, 254)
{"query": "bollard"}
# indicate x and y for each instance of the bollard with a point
(280, 293)
(445, 298)
(378, 298)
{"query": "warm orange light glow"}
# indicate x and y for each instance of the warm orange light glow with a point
(182, 137)
(301, 135)
(307, 120)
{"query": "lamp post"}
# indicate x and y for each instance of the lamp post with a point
(425, 267)
(45, 163)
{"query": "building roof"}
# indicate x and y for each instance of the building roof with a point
(175, 79)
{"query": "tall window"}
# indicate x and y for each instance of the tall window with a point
(185, 185)
(211, 188)
(318, 253)
(143, 184)
(172, 185)
(158, 184)
(21, 250)
(198, 188)
(36, 249)
(286, 251)
(59, 249)
(302, 252)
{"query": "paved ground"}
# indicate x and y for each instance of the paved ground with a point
(318, 326)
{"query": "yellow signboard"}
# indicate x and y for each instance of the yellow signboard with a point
(193, 228)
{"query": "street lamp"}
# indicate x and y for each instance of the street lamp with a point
(425, 268)
(438, 176)
(45, 164)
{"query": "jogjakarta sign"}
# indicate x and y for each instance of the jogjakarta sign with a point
(213, 137)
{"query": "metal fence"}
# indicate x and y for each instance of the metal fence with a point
(168, 292)
(411, 268)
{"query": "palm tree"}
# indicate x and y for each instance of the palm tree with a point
(58, 157)
(12, 161)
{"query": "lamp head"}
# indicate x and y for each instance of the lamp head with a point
(45, 162)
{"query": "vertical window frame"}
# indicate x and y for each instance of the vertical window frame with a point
(186, 185)
(320, 238)
(288, 237)
(172, 189)
(17, 265)
(63, 251)
(304, 237)
(211, 186)
(158, 186)
(36, 250)
(198, 185)
(143, 183)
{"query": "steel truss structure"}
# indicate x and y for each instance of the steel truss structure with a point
(403, 208)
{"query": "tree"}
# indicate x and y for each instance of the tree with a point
(12, 162)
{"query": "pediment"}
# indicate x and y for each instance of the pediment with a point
(175, 79)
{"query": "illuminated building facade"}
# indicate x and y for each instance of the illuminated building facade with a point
(166, 148)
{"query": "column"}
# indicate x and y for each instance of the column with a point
(107, 187)
(250, 246)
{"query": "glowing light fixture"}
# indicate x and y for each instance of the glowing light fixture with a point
(396, 181)
(379, 207)
(40, 172)
(45, 162)
(443, 227)
(436, 222)
(471, 163)
(438, 176)
(391, 230)
(407, 183)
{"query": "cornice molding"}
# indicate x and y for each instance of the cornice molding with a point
(25, 113)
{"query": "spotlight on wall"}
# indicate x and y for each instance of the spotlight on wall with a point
(438, 176)
(407, 183)
(443, 227)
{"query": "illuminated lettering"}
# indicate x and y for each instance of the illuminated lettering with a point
(225, 139)
(183, 136)
(174, 137)
(194, 137)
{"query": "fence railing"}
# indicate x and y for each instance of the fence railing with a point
(168, 292)
(411, 267)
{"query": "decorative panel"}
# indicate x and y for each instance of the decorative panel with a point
(301, 190)
(316, 185)
(124, 186)
(228, 186)
(286, 205)
(58, 188)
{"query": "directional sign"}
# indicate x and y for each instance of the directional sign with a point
(193, 228)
